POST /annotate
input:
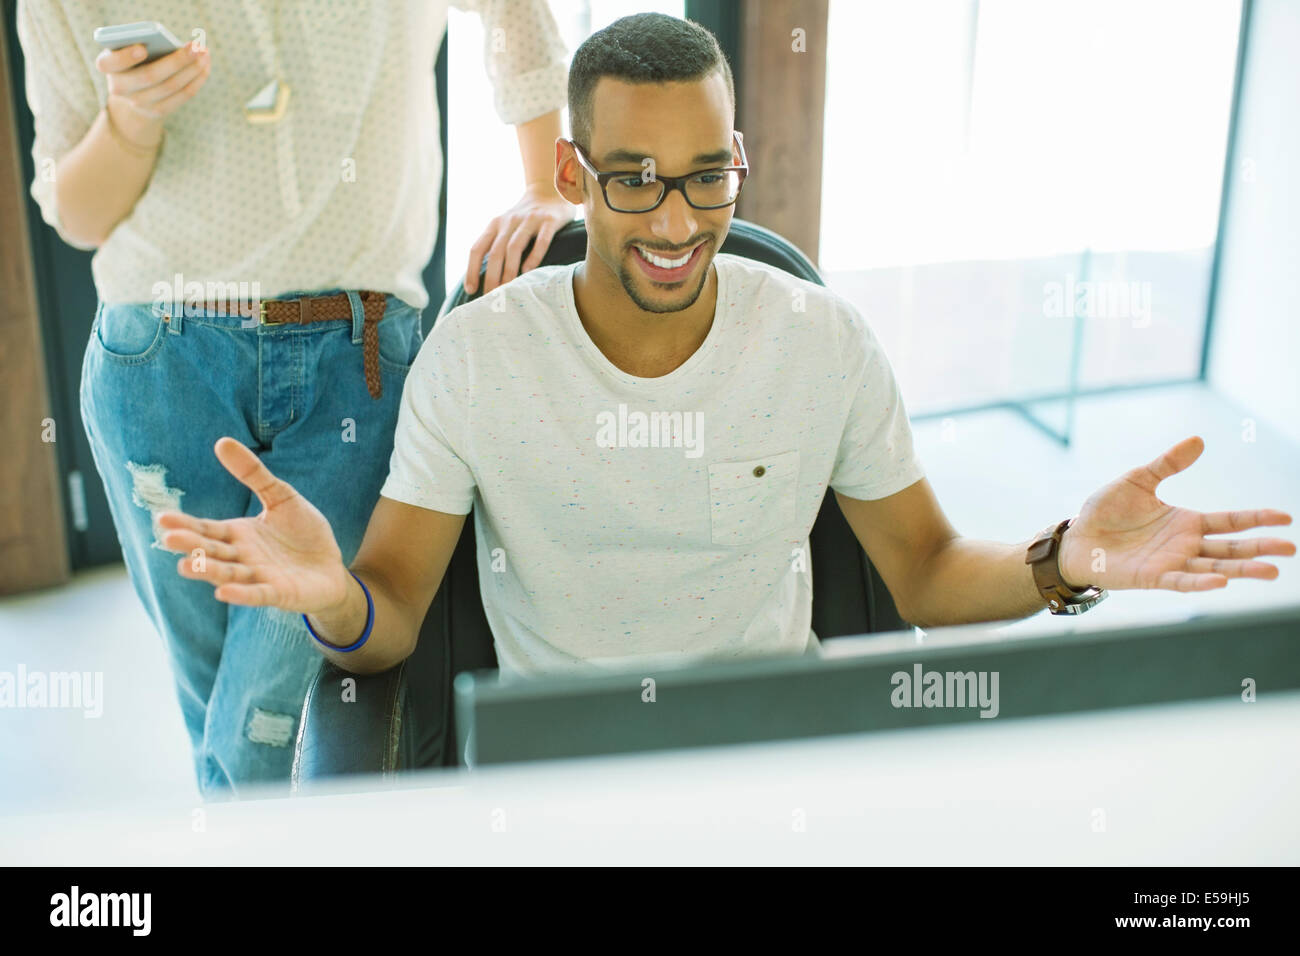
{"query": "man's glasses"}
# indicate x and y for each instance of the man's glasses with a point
(628, 191)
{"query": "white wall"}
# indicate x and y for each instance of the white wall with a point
(1255, 344)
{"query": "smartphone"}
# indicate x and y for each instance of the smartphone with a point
(157, 39)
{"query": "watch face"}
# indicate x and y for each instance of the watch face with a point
(1081, 606)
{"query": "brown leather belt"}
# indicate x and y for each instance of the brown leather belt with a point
(331, 308)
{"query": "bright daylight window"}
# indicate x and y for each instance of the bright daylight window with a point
(1023, 196)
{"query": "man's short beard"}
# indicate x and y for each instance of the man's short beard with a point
(625, 275)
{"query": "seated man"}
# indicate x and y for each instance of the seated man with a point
(646, 437)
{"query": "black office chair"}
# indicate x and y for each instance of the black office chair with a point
(403, 718)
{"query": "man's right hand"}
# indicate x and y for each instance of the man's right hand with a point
(286, 557)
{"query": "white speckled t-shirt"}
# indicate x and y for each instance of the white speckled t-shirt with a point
(341, 193)
(623, 518)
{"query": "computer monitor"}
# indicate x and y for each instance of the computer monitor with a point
(883, 682)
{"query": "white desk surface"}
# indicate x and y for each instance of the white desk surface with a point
(1202, 783)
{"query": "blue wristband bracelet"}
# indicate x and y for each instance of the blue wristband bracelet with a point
(365, 635)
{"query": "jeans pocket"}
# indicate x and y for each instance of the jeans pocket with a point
(400, 337)
(130, 334)
(751, 499)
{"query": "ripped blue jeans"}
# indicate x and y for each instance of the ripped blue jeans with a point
(157, 391)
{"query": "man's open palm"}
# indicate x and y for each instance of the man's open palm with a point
(1126, 537)
(285, 557)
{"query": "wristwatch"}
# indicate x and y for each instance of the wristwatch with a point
(1044, 556)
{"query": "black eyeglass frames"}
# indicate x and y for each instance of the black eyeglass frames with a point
(629, 191)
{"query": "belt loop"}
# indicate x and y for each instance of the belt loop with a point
(358, 317)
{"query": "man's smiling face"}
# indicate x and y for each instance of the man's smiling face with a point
(661, 258)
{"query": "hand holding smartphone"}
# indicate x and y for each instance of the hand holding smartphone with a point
(157, 39)
(150, 75)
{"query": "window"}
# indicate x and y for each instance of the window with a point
(1023, 197)
(482, 150)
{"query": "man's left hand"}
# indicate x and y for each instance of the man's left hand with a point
(1126, 537)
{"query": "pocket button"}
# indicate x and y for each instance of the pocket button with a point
(750, 500)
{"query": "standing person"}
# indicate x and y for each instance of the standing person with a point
(286, 160)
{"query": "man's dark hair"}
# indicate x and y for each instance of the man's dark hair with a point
(642, 48)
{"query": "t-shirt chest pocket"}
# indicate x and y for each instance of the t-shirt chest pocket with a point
(749, 500)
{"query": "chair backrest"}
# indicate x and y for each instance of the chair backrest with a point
(849, 596)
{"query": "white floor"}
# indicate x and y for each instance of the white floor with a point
(996, 477)
(54, 759)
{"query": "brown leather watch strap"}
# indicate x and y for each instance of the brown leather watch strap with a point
(1043, 556)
